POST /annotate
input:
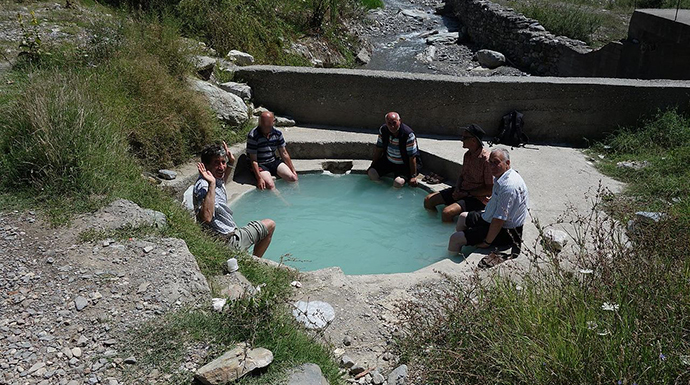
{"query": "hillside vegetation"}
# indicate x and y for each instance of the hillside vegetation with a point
(85, 111)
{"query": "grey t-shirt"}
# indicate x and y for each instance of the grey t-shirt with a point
(222, 221)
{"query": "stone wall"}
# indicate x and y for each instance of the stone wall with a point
(522, 40)
(657, 47)
(557, 110)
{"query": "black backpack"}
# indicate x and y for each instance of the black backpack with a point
(510, 131)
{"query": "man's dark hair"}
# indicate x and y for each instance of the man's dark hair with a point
(210, 152)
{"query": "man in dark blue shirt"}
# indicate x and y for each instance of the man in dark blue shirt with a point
(262, 143)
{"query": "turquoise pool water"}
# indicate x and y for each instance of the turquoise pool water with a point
(348, 221)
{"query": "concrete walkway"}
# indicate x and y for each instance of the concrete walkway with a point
(557, 178)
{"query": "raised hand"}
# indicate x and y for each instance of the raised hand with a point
(231, 158)
(205, 173)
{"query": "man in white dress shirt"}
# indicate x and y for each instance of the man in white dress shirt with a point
(501, 222)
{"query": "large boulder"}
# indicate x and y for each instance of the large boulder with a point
(443, 38)
(122, 213)
(227, 66)
(233, 285)
(240, 89)
(228, 107)
(204, 66)
(398, 376)
(282, 121)
(554, 240)
(240, 58)
(490, 59)
(428, 55)
(234, 364)
(313, 314)
(416, 14)
(363, 57)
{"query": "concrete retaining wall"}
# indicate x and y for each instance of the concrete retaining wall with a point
(657, 47)
(557, 110)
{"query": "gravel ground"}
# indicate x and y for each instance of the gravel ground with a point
(66, 305)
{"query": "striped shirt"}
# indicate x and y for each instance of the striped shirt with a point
(509, 200)
(222, 221)
(264, 147)
(393, 150)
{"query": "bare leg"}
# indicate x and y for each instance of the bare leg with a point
(456, 242)
(450, 211)
(461, 226)
(284, 172)
(266, 176)
(373, 174)
(398, 182)
(261, 246)
(432, 200)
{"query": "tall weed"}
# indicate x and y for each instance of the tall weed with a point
(57, 140)
(620, 318)
(573, 21)
(664, 142)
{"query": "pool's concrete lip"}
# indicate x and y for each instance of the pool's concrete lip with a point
(557, 177)
(366, 305)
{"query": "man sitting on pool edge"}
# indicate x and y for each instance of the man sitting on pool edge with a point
(262, 143)
(473, 188)
(396, 152)
(501, 222)
(211, 204)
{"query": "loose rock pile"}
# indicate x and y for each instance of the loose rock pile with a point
(231, 101)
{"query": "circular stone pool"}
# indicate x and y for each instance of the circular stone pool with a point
(349, 221)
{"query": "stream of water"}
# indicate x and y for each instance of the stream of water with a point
(399, 33)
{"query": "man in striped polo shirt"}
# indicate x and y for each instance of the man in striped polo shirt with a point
(396, 152)
(262, 143)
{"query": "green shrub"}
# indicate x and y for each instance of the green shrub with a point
(372, 4)
(666, 130)
(144, 85)
(664, 142)
(90, 114)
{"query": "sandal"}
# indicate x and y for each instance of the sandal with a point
(435, 178)
(494, 259)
